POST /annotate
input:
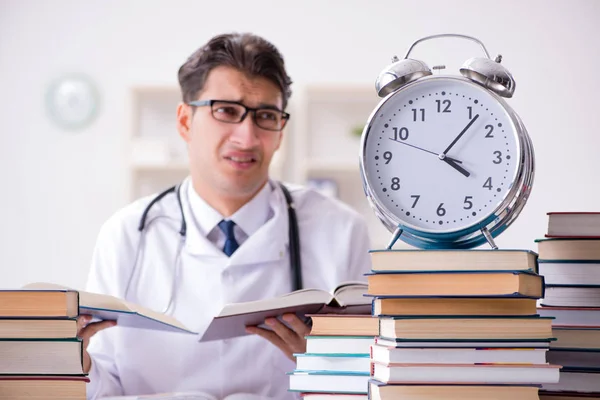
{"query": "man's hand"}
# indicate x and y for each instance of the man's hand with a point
(85, 331)
(288, 340)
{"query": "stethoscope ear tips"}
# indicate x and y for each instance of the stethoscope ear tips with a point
(490, 74)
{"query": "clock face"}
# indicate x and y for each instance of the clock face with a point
(441, 155)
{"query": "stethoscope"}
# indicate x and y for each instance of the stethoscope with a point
(144, 223)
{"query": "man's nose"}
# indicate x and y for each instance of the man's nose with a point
(246, 132)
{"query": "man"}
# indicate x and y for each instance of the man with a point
(234, 246)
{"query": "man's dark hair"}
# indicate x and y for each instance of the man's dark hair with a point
(246, 52)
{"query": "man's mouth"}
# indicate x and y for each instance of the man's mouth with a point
(241, 159)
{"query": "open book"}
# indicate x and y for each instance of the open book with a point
(347, 298)
(105, 307)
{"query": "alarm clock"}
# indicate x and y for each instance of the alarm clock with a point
(445, 162)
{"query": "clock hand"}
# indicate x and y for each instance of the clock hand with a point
(449, 160)
(460, 134)
(453, 163)
(412, 145)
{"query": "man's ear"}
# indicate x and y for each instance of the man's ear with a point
(184, 121)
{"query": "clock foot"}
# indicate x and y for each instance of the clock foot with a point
(489, 238)
(395, 238)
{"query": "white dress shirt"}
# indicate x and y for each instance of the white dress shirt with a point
(248, 219)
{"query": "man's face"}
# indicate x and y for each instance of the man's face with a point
(230, 159)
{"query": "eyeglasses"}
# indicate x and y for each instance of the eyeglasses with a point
(233, 112)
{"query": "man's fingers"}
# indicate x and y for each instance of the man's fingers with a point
(91, 329)
(269, 335)
(297, 325)
(285, 333)
(82, 321)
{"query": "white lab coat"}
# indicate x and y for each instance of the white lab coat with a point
(334, 248)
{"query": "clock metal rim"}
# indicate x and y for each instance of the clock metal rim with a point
(497, 220)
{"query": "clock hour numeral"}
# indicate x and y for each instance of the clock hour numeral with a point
(443, 106)
(395, 183)
(498, 159)
(401, 133)
(416, 197)
(470, 112)
(468, 202)
(441, 211)
(416, 113)
(488, 183)
(490, 129)
(388, 157)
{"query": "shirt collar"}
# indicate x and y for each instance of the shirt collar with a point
(250, 217)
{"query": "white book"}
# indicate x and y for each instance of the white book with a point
(333, 396)
(576, 382)
(570, 273)
(466, 373)
(325, 382)
(573, 224)
(541, 344)
(338, 344)
(572, 316)
(571, 296)
(333, 362)
(391, 355)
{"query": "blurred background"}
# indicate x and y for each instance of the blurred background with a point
(64, 174)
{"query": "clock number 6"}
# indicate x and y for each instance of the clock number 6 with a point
(441, 211)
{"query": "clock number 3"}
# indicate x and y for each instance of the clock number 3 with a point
(498, 155)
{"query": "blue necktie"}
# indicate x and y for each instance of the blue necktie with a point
(231, 244)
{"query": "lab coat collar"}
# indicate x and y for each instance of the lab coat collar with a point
(249, 218)
(268, 243)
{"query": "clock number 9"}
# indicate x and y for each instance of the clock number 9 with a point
(402, 133)
(388, 157)
(395, 183)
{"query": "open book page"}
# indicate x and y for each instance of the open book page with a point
(352, 293)
(233, 318)
(106, 307)
(293, 299)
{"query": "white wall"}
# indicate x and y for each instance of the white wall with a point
(58, 187)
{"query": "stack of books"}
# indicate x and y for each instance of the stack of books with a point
(40, 354)
(336, 365)
(569, 259)
(456, 324)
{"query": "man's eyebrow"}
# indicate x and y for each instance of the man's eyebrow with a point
(269, 106)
